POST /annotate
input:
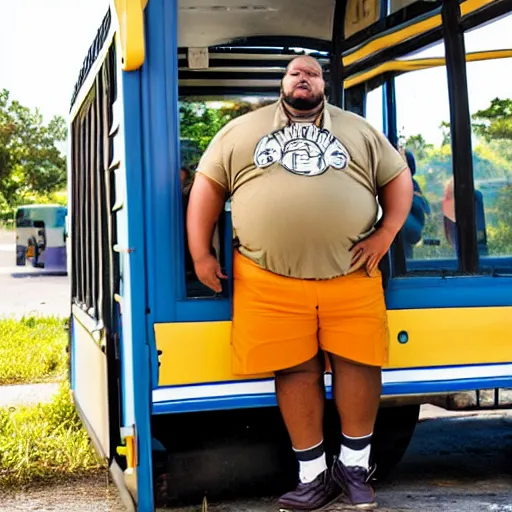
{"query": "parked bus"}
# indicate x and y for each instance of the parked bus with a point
(41, 236)
(150, 360)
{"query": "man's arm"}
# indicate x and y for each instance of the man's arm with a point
(396, 201)
(204, 208)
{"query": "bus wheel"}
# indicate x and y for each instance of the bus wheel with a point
(21, 259)
(393, 432)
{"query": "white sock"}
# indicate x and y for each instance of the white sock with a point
(311, 462)
(355, 451)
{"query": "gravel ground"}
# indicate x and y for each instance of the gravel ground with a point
(88, 494)
(26, 290)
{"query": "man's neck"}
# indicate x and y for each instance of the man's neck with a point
(303, 116)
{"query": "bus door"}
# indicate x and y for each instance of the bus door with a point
(208, 70)
(51, 239)
(449, 292)
(108, 356)
(216, 78)
(24, 235)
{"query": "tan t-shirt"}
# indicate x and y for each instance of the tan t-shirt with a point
(301, 196)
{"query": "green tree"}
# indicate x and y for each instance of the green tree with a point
(494, 127)
(492, 167)
(447, 136)
(418, 146)
(200, 121)
(30, 162)
(494, 122)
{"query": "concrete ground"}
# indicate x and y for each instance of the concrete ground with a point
(25, 290)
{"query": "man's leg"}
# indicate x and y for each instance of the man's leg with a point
(275, 328)
(357, 395)
(357, 391)
(300, 396)
(353, 331)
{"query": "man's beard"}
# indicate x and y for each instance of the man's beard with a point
(304, 104)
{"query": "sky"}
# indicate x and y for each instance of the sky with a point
(43, 44)
(42, 47)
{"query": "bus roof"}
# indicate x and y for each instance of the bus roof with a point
(251, 36)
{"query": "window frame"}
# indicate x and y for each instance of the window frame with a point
(451, 33)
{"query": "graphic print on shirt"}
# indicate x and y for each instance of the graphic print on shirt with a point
(302, 149)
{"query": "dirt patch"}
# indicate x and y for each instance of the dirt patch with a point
(89, 494)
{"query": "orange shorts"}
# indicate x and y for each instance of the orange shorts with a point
(280, 322)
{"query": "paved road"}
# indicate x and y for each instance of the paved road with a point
(25, 290)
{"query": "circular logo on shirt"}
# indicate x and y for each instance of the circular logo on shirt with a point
(302, 149)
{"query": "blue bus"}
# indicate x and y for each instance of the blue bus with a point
(150, 359)
(41, 236)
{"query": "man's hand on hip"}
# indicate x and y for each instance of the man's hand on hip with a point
(371, 250)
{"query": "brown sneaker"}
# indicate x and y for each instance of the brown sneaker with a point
(354, 481)
(315, 495)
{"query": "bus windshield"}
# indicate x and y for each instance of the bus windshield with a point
(53, 216)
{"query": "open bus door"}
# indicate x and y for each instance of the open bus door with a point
(150, 351)
(107, 285)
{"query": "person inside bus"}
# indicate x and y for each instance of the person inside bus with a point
(415, 222)
(450, 224)
(303, 177)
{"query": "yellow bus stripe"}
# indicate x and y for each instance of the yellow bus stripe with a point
(416, 64)
(200, 352)
(401, 35)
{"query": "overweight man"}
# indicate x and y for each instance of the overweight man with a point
(303, 177)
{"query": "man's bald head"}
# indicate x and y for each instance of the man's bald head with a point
(303, 86)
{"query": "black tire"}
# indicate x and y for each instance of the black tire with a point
(20, 260)
(393, 433)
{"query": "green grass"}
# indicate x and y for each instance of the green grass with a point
(44, 442)
(32, 350)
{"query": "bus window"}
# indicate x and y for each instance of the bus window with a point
(200, 120)
(423, 114)
(490, 104)
(52, 215)
(374, 110)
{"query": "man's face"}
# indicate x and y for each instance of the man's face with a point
(303, 85)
